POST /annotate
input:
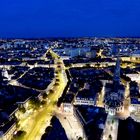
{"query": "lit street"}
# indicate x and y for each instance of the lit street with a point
(35, 124)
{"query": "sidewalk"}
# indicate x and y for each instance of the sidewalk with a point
(111, 128)
(71, 125)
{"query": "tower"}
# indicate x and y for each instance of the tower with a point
(116, 78)
(114, 96)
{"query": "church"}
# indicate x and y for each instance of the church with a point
(114, 93)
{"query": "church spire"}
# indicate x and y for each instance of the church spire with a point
(117, 71)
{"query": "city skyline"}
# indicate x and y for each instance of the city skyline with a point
(69, 70)
(66, 88)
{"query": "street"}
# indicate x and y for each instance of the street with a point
(36, 123)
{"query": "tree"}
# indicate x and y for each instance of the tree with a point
(20, 135)
(97, 65)
(53, 120)
(51, 91)
(110, 137)
(57, 72)
(48, 129)
(44, 136)
(56, 84)
(35, 102)
(57, 80)
(59, 101)
(106, 65)
(87, 65)
(80, 138)
(43, 103)
(44, 95)
(113, 121)
(22, 109)
(69, 65)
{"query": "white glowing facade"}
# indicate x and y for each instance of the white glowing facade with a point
(135, 109)
(134, 76)
(67, 107)
(5, 74)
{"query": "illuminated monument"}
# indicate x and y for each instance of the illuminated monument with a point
(114, 93)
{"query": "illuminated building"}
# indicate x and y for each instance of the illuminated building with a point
(5, 75)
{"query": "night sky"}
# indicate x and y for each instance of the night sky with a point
(69, 18)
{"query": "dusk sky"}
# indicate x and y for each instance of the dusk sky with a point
(69, 18)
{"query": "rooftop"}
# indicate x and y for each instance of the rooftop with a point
(7, 126)
(87, 93)
(94, 118)
(135, 101)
